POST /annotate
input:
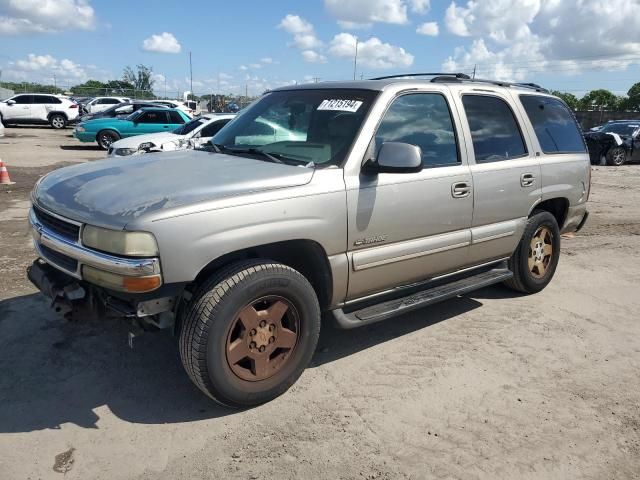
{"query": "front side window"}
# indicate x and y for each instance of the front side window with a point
(175, 118)
(300, 126)
(23, 99)
(424, 120)
(555, 126)
(494, 130)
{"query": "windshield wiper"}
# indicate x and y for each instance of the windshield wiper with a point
(272, 157)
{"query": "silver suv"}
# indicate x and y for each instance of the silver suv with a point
(363, 199)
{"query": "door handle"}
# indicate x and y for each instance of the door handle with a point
(527, 179)
(460, 190)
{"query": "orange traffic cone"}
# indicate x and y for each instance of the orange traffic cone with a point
(4, 175)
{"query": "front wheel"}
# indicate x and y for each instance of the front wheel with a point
(535, 260)
(249, 332)
(106, 137)
(616, 156)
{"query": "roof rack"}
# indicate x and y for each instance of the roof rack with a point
(462, 77)
(454, 75)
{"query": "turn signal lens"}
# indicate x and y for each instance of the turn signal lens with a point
(121, 283)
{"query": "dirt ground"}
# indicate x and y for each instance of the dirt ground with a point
(491, 385)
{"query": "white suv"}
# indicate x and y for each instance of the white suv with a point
(41, 108)
(99, 104)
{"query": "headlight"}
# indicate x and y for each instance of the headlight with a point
(131, 244)
(80, 128)
(123, 152)
(146, 146)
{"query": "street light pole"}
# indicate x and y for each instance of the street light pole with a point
(355, 60)
(191, 74)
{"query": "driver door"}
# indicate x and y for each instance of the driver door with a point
(21, 110)
(408, 227)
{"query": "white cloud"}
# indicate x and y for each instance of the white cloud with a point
(45, 16)
(371, 53)
(428, 28)
(164, 42)
(266, 60)
(514, 39)
(312, 56)
(42, 68)
(304, 36)
(420, 6)
(243, 67)
(364, 12)
(255, 65)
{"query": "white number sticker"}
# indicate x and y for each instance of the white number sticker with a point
(340, 105)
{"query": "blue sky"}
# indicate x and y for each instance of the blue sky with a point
(568, 45)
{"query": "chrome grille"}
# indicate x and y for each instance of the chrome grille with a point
(64, 229)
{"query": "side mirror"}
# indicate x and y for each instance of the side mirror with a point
(11, 102)
(396, 157)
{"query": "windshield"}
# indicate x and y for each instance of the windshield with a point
(621, 128)
(189, 126)
(308, 126)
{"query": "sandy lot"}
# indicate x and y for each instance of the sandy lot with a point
(491, 385)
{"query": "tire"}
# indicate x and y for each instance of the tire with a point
(106, 137)
(533, 267)
(223, 344)
(58, 121)
(616, 156)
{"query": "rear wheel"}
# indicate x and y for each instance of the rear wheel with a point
(58, 121)
(535, 260)
(616, 156)
(249, 332)
(106, 137)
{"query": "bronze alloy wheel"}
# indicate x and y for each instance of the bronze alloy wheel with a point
(262, 338)
(540, 251)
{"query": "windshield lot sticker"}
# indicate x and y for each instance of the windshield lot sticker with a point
(340, 105)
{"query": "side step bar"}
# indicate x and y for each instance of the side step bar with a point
(428, 296)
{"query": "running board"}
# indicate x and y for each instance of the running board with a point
(398, 306)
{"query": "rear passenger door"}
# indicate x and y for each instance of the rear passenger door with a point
(175, 120)
(408, 227)
(506, 173)
(43, 105)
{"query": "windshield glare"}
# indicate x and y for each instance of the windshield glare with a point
(317, 126)
(189, 126)
(621, 128)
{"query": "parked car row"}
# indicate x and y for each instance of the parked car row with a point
(30, 108)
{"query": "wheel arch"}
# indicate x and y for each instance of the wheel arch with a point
(306, 256)
(55, 112)
(558, 207)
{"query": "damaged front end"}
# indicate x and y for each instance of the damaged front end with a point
(83, 283)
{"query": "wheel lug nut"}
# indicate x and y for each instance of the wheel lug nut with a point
(272, 339)
(252, 345)
(272, 327)
(261, 349)
(263, 323)
(253, 332)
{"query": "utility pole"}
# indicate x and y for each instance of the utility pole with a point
(55, 83)
(474, 71)
(316, 79)
(165, 87)
(355, 60)
(191, 74)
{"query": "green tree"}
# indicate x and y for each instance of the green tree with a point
(569, 98)
(600, 99)
(141, 79)
(632, 102)
(90, 88)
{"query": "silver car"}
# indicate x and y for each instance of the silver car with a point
(374, 198)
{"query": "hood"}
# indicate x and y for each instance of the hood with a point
(114, 192)
(157, 138)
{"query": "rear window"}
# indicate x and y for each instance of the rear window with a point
(554, 124)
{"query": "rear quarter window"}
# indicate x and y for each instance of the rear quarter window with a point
(554, 124)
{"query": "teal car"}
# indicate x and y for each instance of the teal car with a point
(105, 131)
